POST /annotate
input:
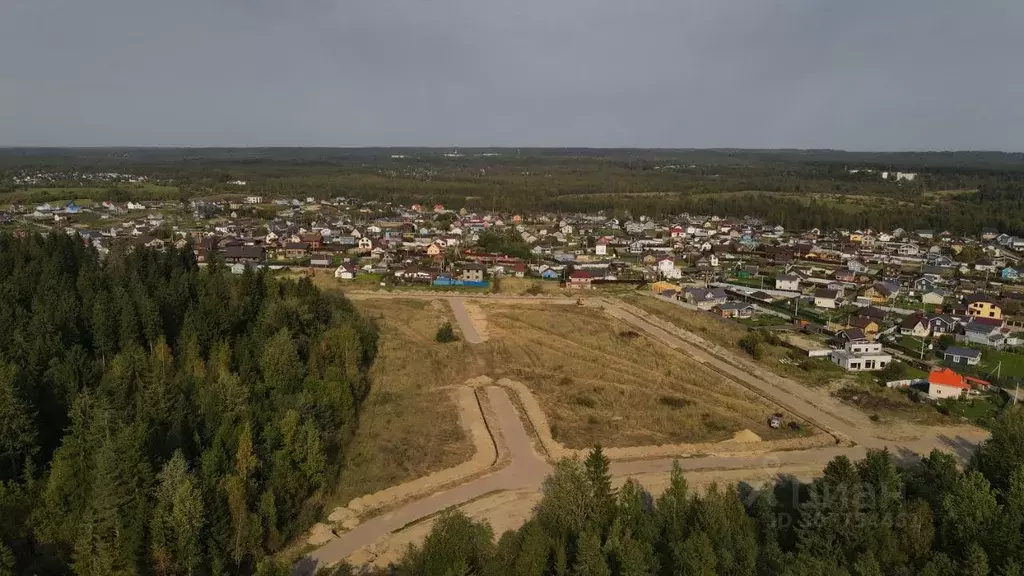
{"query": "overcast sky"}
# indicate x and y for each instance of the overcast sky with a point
(853, 74)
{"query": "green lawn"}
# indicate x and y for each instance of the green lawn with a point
(1012, 362)
(980, 410)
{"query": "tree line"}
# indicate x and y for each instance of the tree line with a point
(864, 518)
(158, 418)
(785, 187)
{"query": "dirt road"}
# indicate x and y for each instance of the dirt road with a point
(469, 331)
(525, 470)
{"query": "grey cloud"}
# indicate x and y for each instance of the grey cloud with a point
(871, 74)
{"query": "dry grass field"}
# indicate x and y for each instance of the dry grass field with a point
(598, 381)
(778, 359)
(409, 426)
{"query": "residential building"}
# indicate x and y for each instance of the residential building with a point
(945, 383)
(345, 272)
(245, 255)
(861, 355)
(735, 310)
(914, 325)
(983, 306)
(957, 355)
(581, 280)
(934, 296)
(789, 282)
(705, 298)
(826, 298)
(472, 272)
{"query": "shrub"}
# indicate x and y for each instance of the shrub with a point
(445, 333)
(674, 401)
(534, 289)
(586, 401)
(752, 344)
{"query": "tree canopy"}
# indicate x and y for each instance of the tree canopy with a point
(160, 418)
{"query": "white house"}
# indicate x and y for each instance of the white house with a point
(254, 199)
(826, 298)
(789, 282)
(365, 243)
(344, 273)
(861, 355)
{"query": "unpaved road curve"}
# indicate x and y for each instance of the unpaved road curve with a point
(465, 323)
(525, 470)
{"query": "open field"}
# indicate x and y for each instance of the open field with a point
(409, 426)
(145, 191)
(778, 359)
(600, 382)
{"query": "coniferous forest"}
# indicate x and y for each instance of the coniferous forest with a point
(866, 518)
(159, 418)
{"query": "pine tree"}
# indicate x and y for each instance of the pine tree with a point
(590, 560)
(968, 513)
(602, 496)
(239, 487)
(1000, 455)
(17, 426)
(177, 520)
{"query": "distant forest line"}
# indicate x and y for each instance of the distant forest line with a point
(962, 192)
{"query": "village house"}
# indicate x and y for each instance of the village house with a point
(982, 306)
(914, 325)
(860, 355)
(345, 272)
(581, 280)
(472, 272)
(705, 298)
(245, 255)
(945, 383)
(957, 355)
(734, 310)
(788, 282)
(826, 299)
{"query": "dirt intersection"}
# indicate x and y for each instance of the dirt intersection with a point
(507, 472)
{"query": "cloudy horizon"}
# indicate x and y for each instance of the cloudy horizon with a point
(869, 75)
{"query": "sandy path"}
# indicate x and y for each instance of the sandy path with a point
(526, 471)
(485, 455)
(506, 496)
(465, 323)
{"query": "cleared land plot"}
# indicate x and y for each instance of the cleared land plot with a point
(409, 425)
(600, 382)
(779, 359)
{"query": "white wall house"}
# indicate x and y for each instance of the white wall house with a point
(860, 356)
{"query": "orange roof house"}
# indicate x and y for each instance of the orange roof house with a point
(945, 383)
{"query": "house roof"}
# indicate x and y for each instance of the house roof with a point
(581, 275)
(912, 321)
(829, 294)
(861, 322)
(962, 352)
(947, 377)
(735, 306)
(871, 312)
(852, 334)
